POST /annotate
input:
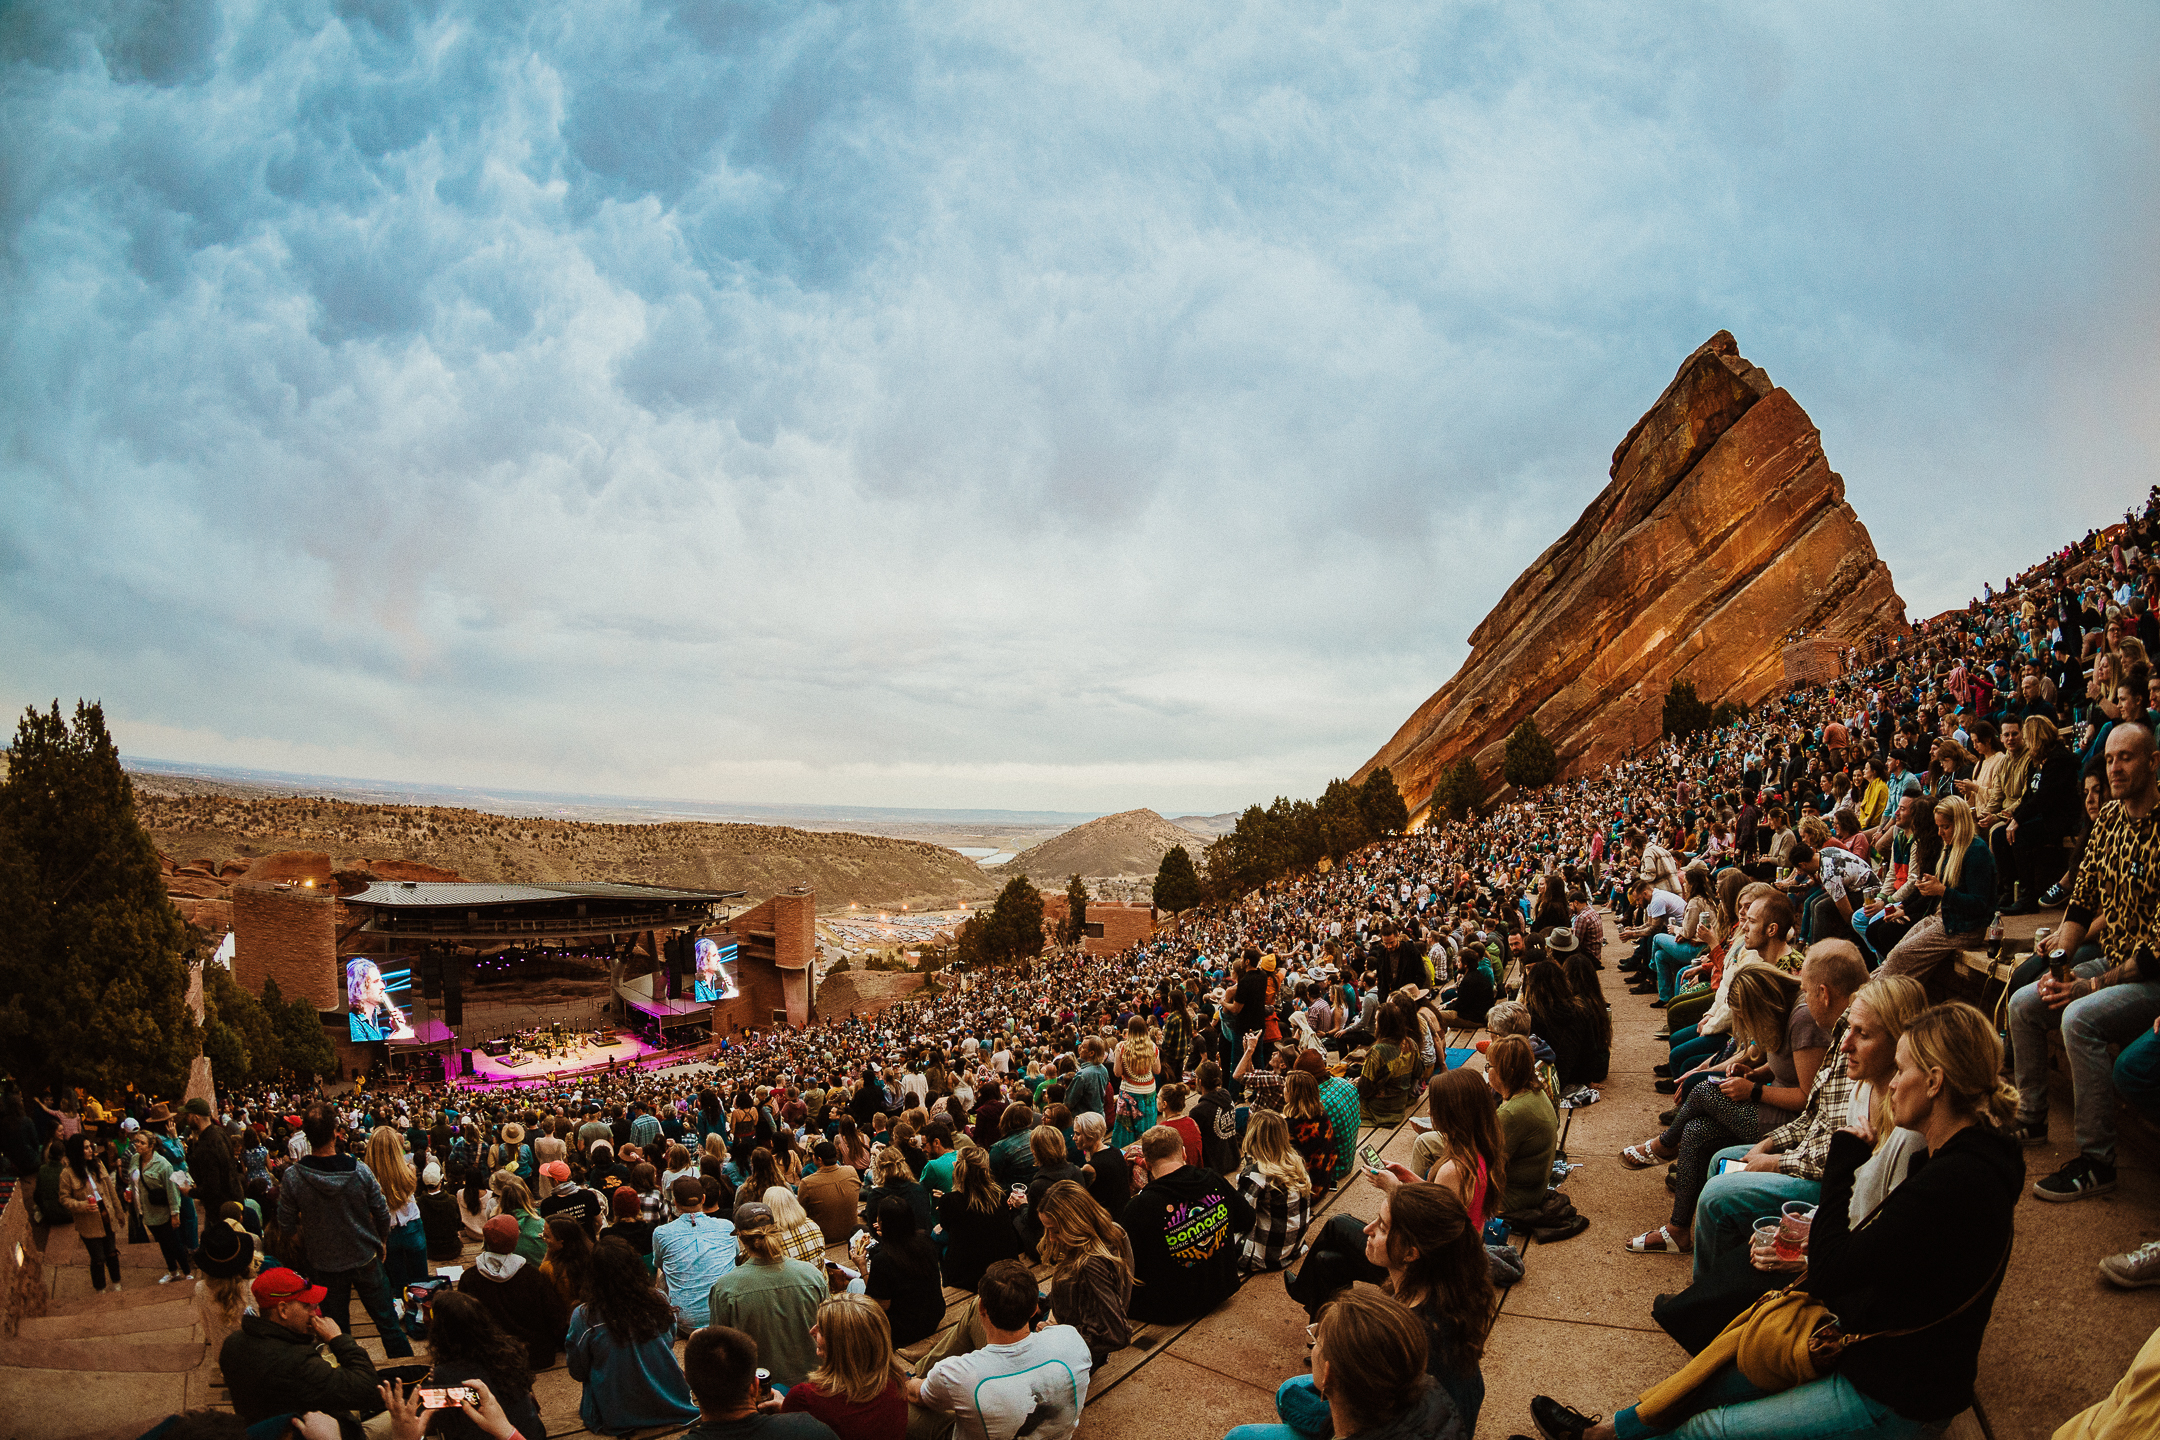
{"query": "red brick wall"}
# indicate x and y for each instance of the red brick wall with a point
(1123, 925)
(290, 934)
(794, 926)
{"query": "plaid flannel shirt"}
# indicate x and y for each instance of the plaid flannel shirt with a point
(1803, 1142)
(1279, 1220)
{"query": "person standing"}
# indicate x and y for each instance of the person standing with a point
(690, 1255)
(210, 1160)
(338, 1207)
(89, 1194)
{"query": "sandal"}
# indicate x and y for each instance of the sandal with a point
(1639, 1157)
(1657, 1242)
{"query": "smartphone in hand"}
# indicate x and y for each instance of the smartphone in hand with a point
(447, 1397)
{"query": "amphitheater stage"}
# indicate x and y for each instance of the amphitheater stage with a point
(492, 1071)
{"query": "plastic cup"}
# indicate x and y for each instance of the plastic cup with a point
(1795, 1219)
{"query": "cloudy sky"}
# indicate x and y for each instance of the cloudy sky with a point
(988, 405)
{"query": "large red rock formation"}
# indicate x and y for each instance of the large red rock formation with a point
(1722, 531)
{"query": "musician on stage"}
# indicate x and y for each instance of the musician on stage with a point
(371, 1015)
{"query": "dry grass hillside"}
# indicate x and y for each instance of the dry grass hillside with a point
(761, 859)
(1131, 842)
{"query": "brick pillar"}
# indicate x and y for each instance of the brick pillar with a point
(290, 934)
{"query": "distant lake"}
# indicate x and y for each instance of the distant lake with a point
(984, 855)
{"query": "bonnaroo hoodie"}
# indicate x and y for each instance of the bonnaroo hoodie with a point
(338, 1207)
(1184, 1228)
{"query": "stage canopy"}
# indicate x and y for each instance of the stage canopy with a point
(480, 913)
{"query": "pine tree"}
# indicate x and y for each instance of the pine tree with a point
(302, 1046)
(1684, 713)
(1016, 920)
(90, 947)
(1458, 789)
(1381, 803)
(1076, 903)
(1177, 883)
(1530, 763)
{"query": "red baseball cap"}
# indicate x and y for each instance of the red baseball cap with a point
(275, 1287)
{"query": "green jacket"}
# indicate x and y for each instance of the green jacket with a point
(155, 1189)
(272, 1371)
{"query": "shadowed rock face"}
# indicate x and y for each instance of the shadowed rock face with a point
(1723, 530)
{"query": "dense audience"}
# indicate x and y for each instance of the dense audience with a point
(762, 1242)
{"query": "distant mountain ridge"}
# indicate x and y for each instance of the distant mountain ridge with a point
(761, 859)
(1131, 842)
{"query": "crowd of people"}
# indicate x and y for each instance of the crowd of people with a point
(760, 1243)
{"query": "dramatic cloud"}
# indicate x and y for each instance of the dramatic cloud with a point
(1066, 407)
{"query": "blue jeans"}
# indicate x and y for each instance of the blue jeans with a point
(2116, 1015)
(374, 1296)
(1729, 1206)
(1304, 1412)
(2137, 1074)
(1671, 956)
(1727, 1407)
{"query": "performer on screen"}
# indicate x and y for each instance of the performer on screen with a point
(369, 1012)
(712, 979)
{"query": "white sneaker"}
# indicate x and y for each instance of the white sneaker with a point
(2135, 1270)
(166, 1279)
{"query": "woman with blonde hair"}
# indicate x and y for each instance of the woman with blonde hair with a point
(855, 1388)
(1134, 1064)
(1918, 1273)
(800, 1237)
(1091, 1268)
(406, 1260)
(1274, 1181)
(1963, 887)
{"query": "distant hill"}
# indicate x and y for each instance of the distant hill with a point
(1208, 825)
(1129, 843)
(761, 859)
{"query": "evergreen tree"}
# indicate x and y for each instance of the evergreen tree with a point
(1177, 883)
(90, 948)
(1458, 789)
(1684, 713)
(1015, 929)
(1341, 820)
(302, 1046)
(1381, 803)
(1530, 763)
(1076, 901)
(227, 1004)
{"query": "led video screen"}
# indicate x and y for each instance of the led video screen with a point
(715, 969)
(378, 998)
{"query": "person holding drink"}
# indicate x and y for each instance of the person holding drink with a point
(1913, 1282)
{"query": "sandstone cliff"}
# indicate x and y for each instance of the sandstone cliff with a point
(1131, 842)
(1722, 531)
(221, 838)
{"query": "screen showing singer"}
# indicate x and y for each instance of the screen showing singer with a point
(370, 1013)
(713, 979)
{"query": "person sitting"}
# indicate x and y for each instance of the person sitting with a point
(2110, 997)
(1026, 1377)
(1770, 1019)
(1916, 1277)
(288, 1357)
(1462, 1150)
(768, 1296)
(1091, 1269)
(691, 1254)
(572, 1199)
(621, 1348)
(1529, 1126)
(1963, 889)
(800, 1237)
(1012, 1158)
(1198, 1209)
(833, 1195)
(721, 1364)
(1103, 1168)
(465, 1344)
(901, 1273)
(1047, 1147)
(890, 1169)
(629, 1224)
(974, 1220)
(1369, 1379)
(853, 1389)
(1274, 1182)
(1312, 1129)
(511, 1289)
(1390, 1070)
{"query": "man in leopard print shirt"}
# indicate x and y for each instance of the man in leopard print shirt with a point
(2112, 999)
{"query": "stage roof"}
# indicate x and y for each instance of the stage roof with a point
(481, 911)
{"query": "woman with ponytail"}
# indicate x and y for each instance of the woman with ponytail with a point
(1926, 1262)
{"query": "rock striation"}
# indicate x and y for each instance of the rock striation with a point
(1723, 530)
